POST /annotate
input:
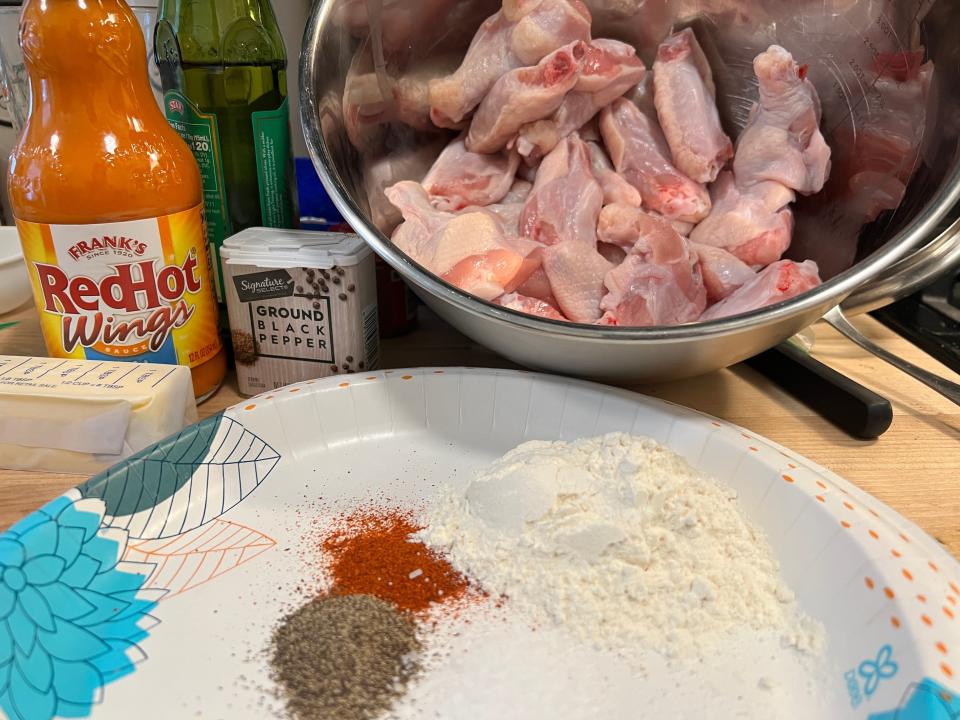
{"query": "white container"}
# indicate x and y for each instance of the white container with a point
(14, 280)
(302, 305)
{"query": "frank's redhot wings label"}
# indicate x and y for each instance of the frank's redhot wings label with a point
(136, 290)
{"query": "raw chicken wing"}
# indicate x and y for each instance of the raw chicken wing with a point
(520, 35)
(754, 223)
(471, 250)
(530, 306)
(576, 272)
(607, 71)
(640, 154)
(523, 96)
(722, 272)
(519, 192)
(659, 282)
(486, 275)
(619, 224)
(615, 188)
(641, 95)
(779, 282)
(682, 228)
(561, 214)
(566, 199)
(460, 178)
(537, 286)
(782, 141)
(509, 214)
(685, 98)
(510, 208)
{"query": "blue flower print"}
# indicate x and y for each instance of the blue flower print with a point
(71, 613)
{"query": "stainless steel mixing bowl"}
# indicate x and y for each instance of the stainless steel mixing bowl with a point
(845, 43)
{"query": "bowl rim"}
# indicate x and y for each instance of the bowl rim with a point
(828, 295)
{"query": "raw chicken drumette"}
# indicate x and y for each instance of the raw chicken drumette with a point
(783, 142)
(777, 283)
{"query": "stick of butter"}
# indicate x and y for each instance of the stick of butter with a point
(82, 416)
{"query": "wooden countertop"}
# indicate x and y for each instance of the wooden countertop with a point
(914, 467)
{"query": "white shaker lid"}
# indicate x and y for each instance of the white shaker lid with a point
(276, 248)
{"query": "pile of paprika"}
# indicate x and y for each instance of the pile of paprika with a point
(374, 553)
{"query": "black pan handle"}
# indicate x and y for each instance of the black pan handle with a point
(858, 411)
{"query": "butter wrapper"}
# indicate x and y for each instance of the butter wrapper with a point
(82, 416)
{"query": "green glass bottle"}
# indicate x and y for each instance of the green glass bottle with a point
(224, 71)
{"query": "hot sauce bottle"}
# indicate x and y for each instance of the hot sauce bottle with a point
(108, 199)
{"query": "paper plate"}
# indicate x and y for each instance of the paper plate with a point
(151, 590)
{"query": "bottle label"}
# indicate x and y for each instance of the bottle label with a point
(200, 131)
(138, 290)
(271, 138)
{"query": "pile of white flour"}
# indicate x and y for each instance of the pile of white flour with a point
(620, 542)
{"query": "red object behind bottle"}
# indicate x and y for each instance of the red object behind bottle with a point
(398, 305)
(396, 302)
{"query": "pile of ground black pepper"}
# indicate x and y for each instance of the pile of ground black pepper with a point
(344, 657)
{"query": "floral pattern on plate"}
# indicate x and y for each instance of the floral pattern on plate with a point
(71, 611)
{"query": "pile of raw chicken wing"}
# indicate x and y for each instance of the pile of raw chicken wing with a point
(585, 187)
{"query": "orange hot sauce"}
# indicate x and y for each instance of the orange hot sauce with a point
(108, 199)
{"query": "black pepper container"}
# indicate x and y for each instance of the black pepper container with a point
(302, 305)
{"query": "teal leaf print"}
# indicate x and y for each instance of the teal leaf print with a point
(184, 482)
(155, 473)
